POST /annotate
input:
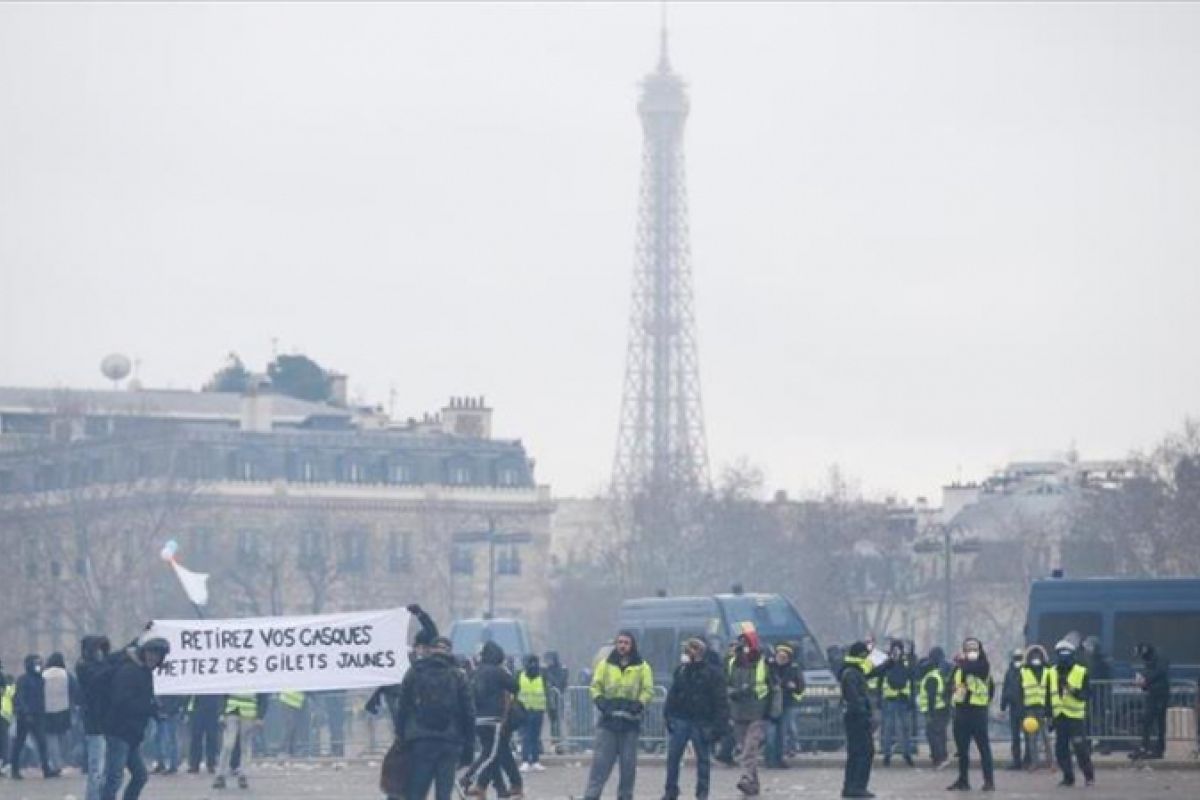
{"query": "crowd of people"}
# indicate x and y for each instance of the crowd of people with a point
(454, 718)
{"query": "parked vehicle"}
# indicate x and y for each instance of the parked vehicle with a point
(469, 635)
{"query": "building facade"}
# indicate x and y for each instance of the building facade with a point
(292, 507)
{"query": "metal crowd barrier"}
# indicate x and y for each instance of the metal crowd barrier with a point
(1116, 710)
(579, 718)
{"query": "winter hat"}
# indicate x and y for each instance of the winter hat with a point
(1064, 646)
(857, 650)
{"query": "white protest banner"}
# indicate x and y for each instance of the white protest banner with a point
(273, 654)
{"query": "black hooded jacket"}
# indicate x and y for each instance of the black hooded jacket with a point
(1157, 685)
(29, 698)
(94, 673)
(698, 694)
(130, 699)
(492, 684)
(435, 702)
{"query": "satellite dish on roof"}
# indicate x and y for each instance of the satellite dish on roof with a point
(116, 367)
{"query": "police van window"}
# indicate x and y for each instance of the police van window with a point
(1174, 634)
(1055, 625)
(657, 645)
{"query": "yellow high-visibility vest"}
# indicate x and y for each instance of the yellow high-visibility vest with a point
(242, 705)
(934, 676)
(761, 686)
(1064, 703)
(1033, 690)
(6, 702)
(970, 690)
(292, 699)
(532, 692)
(635, 682)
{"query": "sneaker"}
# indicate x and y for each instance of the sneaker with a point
(988, 786)
(1064, 783)
(537, 767)
(524, 766)
(159, 769)
(242, 782)
(1089, 782)
(748, 786)
(909, 761)
(219, 783)
(959, 786)
(193, 770)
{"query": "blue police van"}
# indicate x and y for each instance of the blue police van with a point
(1122, 613)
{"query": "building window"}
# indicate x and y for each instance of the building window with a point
(460, 475)
(249, 548)
(312, 548)
(399, 551)
(56, 569)
(462, 561)
(507, 476)
(403, 473)
(353, 557)
(508, 561)
(239, 467)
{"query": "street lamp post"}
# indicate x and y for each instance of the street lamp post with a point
(949, 549)
(492, 537)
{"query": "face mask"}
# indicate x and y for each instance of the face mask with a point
(973, 655)
(1037, 662)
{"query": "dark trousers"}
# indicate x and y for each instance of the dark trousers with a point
(1015, 717)
(30, 724)
(431, 764)
(971, 725)
(683, 732)
(495, 760)
(860, 750)
(205, 742)
(3, 741)
(936, 722)
(531, 737)
(335, 714)
(1071, 735)
(1155, 720)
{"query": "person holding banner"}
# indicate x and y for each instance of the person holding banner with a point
(436, 723)
(130, 707)
(241, 712)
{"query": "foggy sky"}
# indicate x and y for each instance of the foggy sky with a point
(927, 239)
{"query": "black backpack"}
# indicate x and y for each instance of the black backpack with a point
(435, 698)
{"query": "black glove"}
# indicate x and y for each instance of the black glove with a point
(414, 609)
(603, 704)
(636, 707)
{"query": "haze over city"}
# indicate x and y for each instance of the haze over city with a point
(926, 239)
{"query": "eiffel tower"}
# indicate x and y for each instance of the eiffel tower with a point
(661, 460)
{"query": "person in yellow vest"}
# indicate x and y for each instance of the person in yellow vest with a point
(932, 703)
(7, 689)
(896, 681)
(242, 712)
(532, 694)
(972, 690)
(291, 705)
(622, 685)
(1035, 696)
(857, 720)
(754, 698)
(1068, 701)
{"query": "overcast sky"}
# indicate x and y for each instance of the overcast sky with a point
(927, 239)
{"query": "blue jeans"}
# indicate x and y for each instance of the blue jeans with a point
(120, 756)
(682, 732)
(431, 763)
(95, 745)
(780, 735)
(166, 738)
(897, 723)
(531, 737)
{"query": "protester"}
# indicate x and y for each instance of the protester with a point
(789, 677)
(931, 700)
(753, 700)
(1155, 683)
(972, 689)
(60, 695)
(93, 672)
(1035, 700)
(493, 690)
(697, 713)
(896, 682)
(291, 706)
(130, 707)
(242, 714)
(7, 690)
(29, 707)
(1013, 704)
(557, 680)
(857, 719)
(166, 733)
(204, 732)
(1069, 687)
(533, 697)
(436, 721)
(621, 688)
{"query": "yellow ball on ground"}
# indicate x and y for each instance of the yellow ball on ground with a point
(1030, 724)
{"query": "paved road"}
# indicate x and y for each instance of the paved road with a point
(562, 781)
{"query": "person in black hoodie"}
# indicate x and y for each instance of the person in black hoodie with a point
(1012, 702)
(436, 720)
(93, 672)
(557, 678)
(972, 690)
(493, 688)
(1155, 682)
(29, 708)
(856, 716)
(130, 707)
(697, 711)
